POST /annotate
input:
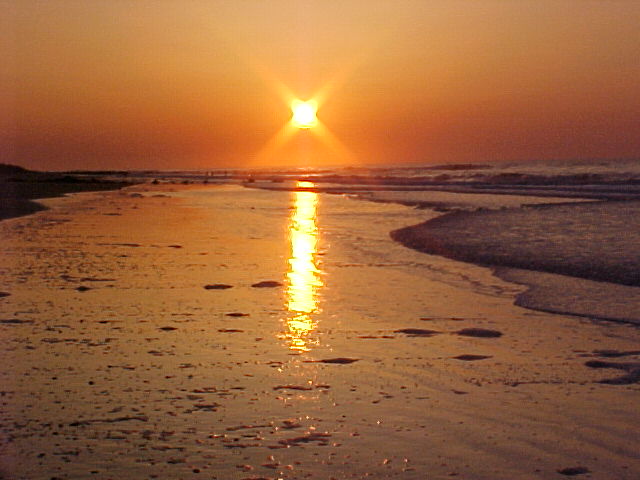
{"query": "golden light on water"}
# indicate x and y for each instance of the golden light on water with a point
(304, 114)
(304, 275)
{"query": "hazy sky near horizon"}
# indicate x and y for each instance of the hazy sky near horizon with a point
(197, 84)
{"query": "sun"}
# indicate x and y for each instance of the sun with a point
(304, 114)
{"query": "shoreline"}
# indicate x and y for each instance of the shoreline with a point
(581, 265)
(419, 237)
(449, 235)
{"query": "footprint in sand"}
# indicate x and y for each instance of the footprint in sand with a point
(267, 284)
(479, 333)
(571, 471)
(471, 358)
(217, 286)
(340, 360)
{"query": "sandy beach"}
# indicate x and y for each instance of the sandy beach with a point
(297, 240)
(221, 332)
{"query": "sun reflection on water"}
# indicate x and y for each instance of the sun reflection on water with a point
(304, 275)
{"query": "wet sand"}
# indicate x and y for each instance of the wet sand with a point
(358, 358)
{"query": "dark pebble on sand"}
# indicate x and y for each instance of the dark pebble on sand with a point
(479, 332)
(82, 288)
(570, 471)
(217, 286)
(167, 329)
(471, 358)
(267, 284)
(418, 332)
(237, 314)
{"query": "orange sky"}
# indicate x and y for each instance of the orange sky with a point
(194, 84)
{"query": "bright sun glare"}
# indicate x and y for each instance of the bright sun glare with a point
(304, 114)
